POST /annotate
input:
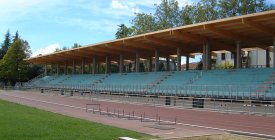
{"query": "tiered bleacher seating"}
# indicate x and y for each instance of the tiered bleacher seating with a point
(129, 82)
(222, 83)
(172, 83)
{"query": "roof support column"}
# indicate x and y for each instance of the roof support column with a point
(178, 59)
(66, 68)
(107, 68)
(121, 64)
(150, 64)
(238, 55)
(187, 62)
(57, 69)
(156, 60)
(206, 57)
(167, 63)
(137, 62)
(94, 65)
(82, 66)
(203, 57)
(235, 59)
(45, 70)
(273, 52)
(267, 51)
(73, 67)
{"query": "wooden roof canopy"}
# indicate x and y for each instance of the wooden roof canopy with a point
(253, 30)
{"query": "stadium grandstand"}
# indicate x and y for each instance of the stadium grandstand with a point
(77, 69)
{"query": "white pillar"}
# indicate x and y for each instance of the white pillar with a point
(178, 59)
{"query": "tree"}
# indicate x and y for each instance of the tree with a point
(15, 37)
(187, 14)
(206, 10)
(143, 23)
(123, 31)
(229, 8)
(6, 44)
(13, 65)
(76, 45)
(167, 14)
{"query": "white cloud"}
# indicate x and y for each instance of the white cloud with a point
(49, 49)
(117, 5)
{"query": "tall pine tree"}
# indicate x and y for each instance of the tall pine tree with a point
(6, 44)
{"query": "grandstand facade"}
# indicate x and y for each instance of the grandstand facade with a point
(234, 35)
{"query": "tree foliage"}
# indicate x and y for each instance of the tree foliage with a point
(169, 14)
(13, 68)
(123, 31)
(6, 44)
(13, 65)
(143, 23)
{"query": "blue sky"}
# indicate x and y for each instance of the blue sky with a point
(49, 24)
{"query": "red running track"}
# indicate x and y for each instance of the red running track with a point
(236, 122)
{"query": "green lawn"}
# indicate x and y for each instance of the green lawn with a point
(18, 122)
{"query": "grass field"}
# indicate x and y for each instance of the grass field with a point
(22, 122)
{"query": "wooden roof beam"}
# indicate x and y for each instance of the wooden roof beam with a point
(74, 55)
(201, 39)
(187, 36)
(139, 45)
(106, 51)
(231, 36)
(258, 26)
(162, 42)
(88, 52)
(223, 33)
(120, 48)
